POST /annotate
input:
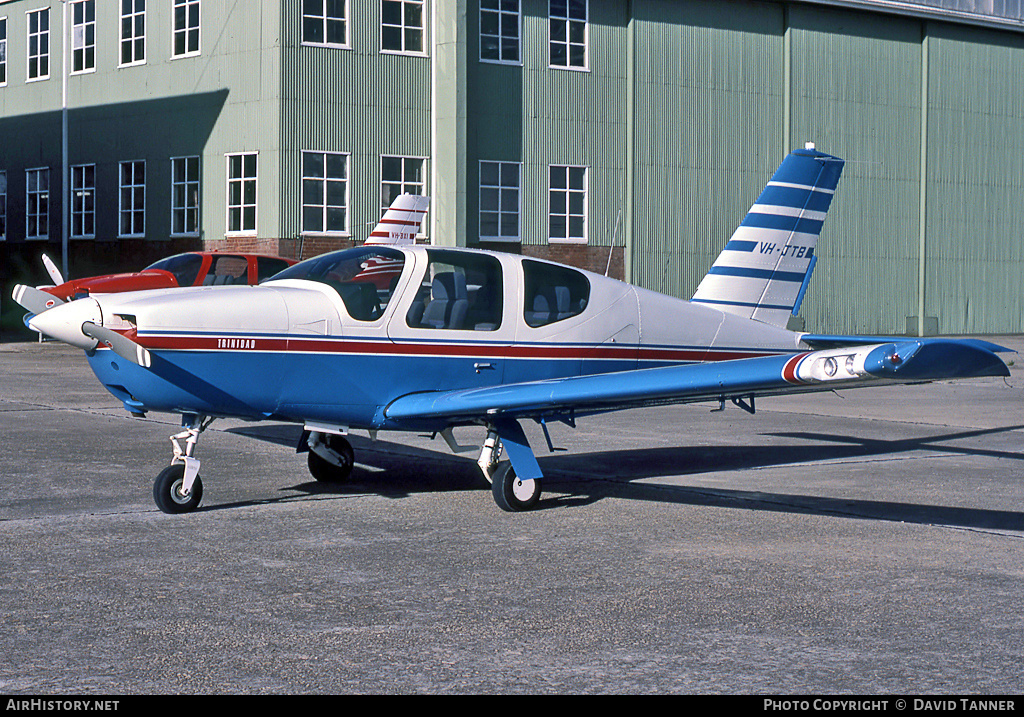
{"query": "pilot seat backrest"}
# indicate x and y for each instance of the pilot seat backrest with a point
(448, 302)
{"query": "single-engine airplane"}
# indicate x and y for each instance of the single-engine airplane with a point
(399, 336)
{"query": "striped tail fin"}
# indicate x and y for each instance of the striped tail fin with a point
(764, 269)
(401, 222)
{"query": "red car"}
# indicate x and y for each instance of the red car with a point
(194, 268)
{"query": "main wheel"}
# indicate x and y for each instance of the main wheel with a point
(511, 493)
(325, 471)
(167, 490)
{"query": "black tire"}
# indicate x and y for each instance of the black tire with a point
(510, 493)
(166, 491)
(324, 470)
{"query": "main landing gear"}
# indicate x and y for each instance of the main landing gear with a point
(511, 493)
(330, 456)
(178, 488)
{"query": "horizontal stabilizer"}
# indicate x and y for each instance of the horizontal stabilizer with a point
(826, 370)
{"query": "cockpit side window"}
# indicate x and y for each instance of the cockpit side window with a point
(458, 291)
(553, 293)
(185, 267)
(364, 277)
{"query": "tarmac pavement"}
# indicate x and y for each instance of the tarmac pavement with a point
(866, 542)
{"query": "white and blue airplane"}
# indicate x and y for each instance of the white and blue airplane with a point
(391, 335)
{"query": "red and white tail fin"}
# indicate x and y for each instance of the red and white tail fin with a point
(401, 222)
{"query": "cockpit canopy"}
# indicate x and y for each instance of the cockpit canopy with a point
(457, 291)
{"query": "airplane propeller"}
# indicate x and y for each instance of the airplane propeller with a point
(79, 323)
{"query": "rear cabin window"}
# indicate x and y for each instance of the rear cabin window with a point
(458, 292)
(227, 270)
(553, 293)
(364, 277)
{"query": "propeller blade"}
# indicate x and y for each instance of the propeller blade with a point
(33, 299)
(119, 343)
(53, 271)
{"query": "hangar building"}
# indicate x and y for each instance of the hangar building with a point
(624, 136)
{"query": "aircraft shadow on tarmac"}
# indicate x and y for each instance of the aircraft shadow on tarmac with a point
(396, 471)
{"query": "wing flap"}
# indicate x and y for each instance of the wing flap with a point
(825, 370)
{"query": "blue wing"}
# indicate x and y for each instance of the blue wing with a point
(904, 361)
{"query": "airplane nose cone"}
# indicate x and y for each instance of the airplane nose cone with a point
(64, 322)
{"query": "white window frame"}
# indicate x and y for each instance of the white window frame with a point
(501, 188)
(39, 35)
(3, 52)
(189, 189)
(187, 29)
(3, 205)
(134, 190)
(80, 37)
(133, 38)
(403, 28)
(323, 182)
(80, 190)
(42, 198)
(347, 44)
(568, 214)
(502, 14)
(567, 39)
(241, 181)
(403, 186)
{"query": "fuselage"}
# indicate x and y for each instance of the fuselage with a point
(337, 338)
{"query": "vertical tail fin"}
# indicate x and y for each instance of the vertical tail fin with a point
(763, 271)
(401, 221)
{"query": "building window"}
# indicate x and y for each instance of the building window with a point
(401, 26)
(185, 196)
(242, 193)
(401, 175)
(83, 201)
(499, 30)
(37, 203)
(567, 204)
(3, 51)
(83, 36)
(499, 201)
(324, 192)
(324, 22)
(132, 210)
(186, 28)
(133, 32)
(3, 205)
(39, 44)
(568, 22)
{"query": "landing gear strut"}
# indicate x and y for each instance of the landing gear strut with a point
(178, 488)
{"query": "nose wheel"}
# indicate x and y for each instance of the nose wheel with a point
(170, 494)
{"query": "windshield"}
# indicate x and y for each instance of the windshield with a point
(364, 277)
(185, 267)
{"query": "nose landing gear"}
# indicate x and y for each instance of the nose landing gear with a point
(178, 488)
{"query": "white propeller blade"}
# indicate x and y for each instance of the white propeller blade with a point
(53, 271)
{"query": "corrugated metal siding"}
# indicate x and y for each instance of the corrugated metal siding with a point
(856, 88)
(359, 101)
(976, 181)
(708, 132)
(541, 116)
